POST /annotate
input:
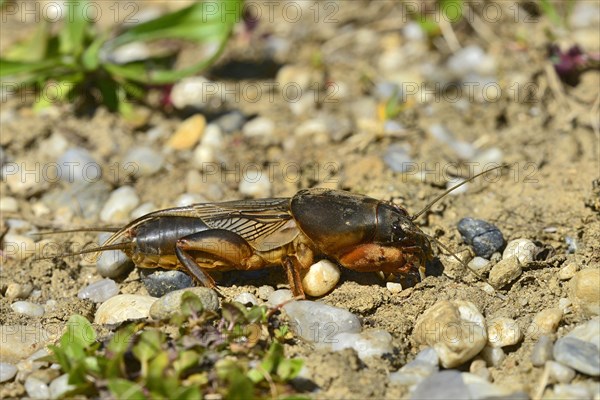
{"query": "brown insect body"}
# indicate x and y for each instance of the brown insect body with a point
(359, 232)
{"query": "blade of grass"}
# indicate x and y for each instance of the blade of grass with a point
(72, 34)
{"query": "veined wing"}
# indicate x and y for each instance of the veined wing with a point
(263, 223)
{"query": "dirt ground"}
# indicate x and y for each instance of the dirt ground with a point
(545, 129)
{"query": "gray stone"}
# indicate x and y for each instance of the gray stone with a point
(246, 298)
(579, 355)
(36, 389)
(542, 351)
(318, 322)
(7, 371)
(442, 385)
(484, 237)
(159, 283)
(99, 291)
(169, 304)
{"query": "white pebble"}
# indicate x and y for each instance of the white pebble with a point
(559, 373)
(113, 263)
(480, 265)
(213, 137)
(367, 344)
(18, 247)
(545, 322)
(428, 355)
(129, 52)
(394, 287)
(204, 155)
(143, 161)
(120, 203)
(568, 271)
(7, 371)
(455, 329)
(78, 165)
(60, 386)
(36, 389)
(124, 307)
(564, 305)
(321, 278)
(256, 184)
(493, 356)
(189, 198)
(279, 297)
(8, 204)
(192, 92)
(523, 249)
(27, 308)
(99, 291)
(264, 291)
(260, 129)
(142, 209)
(246, 298)
(18, 290)
(317, 322)
(503, 332)
(471, 59)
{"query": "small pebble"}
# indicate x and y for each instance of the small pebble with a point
(584, 292)
(394, 287)
(260, 129)
(542, 351)
(572, 246)
(169, 304)
(455, 329)
(493, 356)
(189, 198)
(428, 355)
(559, 373)
(316, 322)
(321, 278)
(246, 298)
(213, 137)
(124, 307)
(545, 322)
(18, 247)
(99, 291)
(480, 388)
(441, 385)
(278, 297)
(36, 389)
(141, 210)
(119, 204)
(78, 165)
(255, 184)
(20, 341)
(564, 305)
(7, 371)
(188, 133)
(8, 204)
(113, 263)
(578, 354)
(60, 386)
(471, 59)
(480, 265)
(413, 373)
(192, 92)
(524, 249)
(18, 290)
(503, 332)
(479, 368)
(204, 156)
(568, 271)
(264, 291)
(231, 122)
(572, 392)
(588, 331)
(144, 160)
(368, 344)
(484, 237)
(505, 272)
(27, 308)
(159, 283)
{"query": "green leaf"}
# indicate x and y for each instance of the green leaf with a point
(452, 9)
(550, 11)
(289, 368)
(13, 68)
(188, 393)
(90, 58)
(148, 346)
(72, 34)
(126, 390)
(240, 386)
(273, 357)
(191, 304)
(79, 331)
(186, 359)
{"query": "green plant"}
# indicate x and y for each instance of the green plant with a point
(230, 351)
(76, 61)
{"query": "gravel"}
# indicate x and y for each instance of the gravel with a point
(99, 291)
(578, 354)
(27, 308)
(484, 237)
